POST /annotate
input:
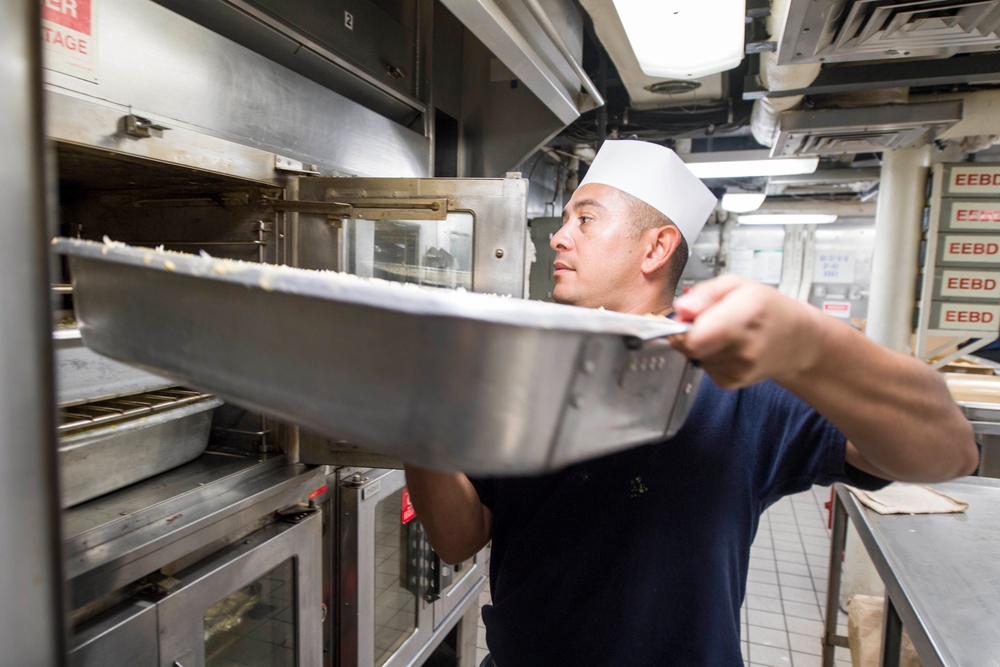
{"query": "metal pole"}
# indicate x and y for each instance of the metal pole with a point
(31, 618)
(837, 543)
(898, 221)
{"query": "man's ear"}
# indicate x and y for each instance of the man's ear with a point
(662, 243)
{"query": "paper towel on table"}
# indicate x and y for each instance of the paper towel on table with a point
(909, 499)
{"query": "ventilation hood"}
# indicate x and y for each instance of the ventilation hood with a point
(827, 31)
(863, 129)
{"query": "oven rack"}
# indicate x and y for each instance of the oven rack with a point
(77, 417)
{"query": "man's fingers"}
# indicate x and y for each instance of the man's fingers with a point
(704, 295)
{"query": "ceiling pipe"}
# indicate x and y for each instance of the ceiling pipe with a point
(767, 110)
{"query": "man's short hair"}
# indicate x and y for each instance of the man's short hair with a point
(642, 216)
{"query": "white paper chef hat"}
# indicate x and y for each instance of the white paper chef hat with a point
(655, 174)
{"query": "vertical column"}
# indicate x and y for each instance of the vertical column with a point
(31, 619)
(898, 219)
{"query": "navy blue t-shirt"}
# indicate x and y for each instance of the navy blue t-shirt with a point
(640, 557)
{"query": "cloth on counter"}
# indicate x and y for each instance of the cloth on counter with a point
(909, 499)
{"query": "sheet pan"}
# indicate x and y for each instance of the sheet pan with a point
(442, 378)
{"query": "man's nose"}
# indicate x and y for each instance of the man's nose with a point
(561, 240)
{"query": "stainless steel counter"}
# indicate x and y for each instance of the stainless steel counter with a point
(941, 573)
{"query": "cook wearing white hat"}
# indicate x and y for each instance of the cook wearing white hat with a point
(626, 230)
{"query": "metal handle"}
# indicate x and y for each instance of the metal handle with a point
(543, 20)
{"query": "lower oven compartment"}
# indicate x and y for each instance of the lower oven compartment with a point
(253, 604)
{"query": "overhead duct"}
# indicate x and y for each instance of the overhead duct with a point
(773, 77)
(863, 129)
(854, 30)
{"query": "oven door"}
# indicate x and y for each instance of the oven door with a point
(256, 603)
(441, 232)
(384, 558)
(455, 583)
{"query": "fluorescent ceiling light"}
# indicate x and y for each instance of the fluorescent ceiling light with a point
(681, 39)
(742, 202)
(786, 219)
(746, 164)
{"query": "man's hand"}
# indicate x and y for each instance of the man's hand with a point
(900, 421)
(744, 332)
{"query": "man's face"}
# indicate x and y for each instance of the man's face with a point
(598, 258)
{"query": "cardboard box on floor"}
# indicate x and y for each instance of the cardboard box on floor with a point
(864, 633)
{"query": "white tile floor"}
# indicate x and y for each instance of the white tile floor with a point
(786, 587)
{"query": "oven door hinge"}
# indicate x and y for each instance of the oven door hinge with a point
(296, 513)
(142, 128)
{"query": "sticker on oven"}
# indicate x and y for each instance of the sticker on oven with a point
(409, 513)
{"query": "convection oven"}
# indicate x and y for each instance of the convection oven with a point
(395, 599)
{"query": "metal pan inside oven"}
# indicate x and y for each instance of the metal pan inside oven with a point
(443, 378)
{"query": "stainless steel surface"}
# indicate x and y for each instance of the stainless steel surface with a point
(181, 613)
(238, 96)
(125, 635)
(320, 46)
(82, 375)
(497, 207)
(103, 459)
(509, 30)
(447, 379)
(31, 620)
(552, 32)
(940, 572)
(118, 538)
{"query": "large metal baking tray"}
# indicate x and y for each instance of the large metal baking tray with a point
(442, 378)
(106, 458)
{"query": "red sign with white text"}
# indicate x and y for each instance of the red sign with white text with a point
(68, 37)
(841, 309)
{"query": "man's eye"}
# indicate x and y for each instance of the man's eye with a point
(584, 219)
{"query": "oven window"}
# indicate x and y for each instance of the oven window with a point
(396, 604)
(435, 253)
(255, 626)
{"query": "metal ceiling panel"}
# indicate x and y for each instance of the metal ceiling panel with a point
(826, 31)
(863, 129)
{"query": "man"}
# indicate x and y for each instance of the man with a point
(640, 557)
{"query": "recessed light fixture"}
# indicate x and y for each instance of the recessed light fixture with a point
(680, 39)
(747, 164)
(786, 219)
(742, 202)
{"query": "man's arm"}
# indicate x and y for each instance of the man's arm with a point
(899, 418)
(458, 525)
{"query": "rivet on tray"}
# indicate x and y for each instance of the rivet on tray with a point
(589, 366)
(687, 388)
(576, 400)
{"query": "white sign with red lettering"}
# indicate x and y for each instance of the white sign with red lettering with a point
(954, 283)
(967, 316)
(68, 37)
(841, 309)
(973, 179)
(972, 216)
(969, 249)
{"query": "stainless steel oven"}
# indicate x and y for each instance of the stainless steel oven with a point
(395, 599)
(254, 603)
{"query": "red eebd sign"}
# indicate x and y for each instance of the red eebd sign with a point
(72, 14)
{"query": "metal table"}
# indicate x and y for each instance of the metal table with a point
(941, 574)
